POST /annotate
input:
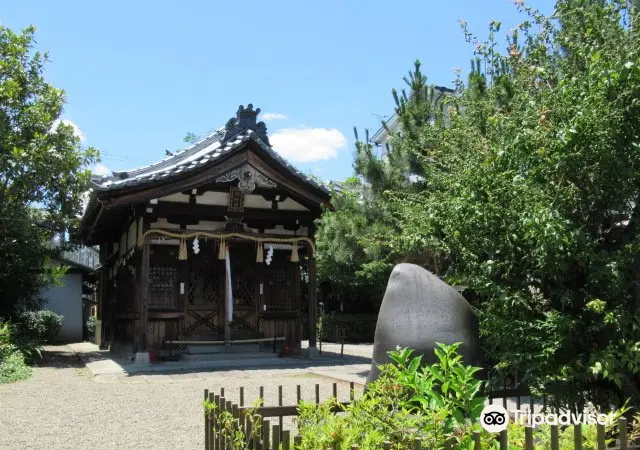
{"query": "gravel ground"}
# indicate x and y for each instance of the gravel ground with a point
(63, 407)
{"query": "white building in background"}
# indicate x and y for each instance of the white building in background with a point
(74, 298)
(381, 137)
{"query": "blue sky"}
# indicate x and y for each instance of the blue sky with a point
(139, 75)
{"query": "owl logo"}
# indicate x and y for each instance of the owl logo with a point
(494, 418)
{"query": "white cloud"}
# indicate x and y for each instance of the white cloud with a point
(308, 144)
(273, 116)
(100, 170)
(76, 130)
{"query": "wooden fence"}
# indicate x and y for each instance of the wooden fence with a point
(276, 437)
(272, 436)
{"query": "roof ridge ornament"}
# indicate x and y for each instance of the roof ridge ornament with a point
(245, 120)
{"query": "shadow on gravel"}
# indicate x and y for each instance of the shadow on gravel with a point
(62, 357)
(326, 359)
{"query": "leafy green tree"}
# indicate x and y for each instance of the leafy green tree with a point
(354, 250)
(351, 253)
(401, 166)
(43, 169)
(531, 199)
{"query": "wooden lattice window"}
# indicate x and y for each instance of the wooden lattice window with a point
(280, 295)
(204, 286)
(244, 285)
(163, 287)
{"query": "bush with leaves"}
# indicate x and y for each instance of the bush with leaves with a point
(12, 364)
(40, 326)
(438, 404)
(231, 428)
(90, 326)
(566, 435)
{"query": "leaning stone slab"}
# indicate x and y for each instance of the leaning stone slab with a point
(418, 310)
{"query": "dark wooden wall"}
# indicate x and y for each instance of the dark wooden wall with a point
(200, 311)
(158, 330)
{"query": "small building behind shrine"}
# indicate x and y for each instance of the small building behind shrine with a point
(210, 244)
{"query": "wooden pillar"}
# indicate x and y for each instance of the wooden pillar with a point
(183, 287)
(142, 298)
(297, 295)
(102, 297)
(313, 303)
(183, 295)
(227, 323)
(111, 298)
(262, 285)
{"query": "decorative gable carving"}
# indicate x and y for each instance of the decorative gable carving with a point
(249, 178)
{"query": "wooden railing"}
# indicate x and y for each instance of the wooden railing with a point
(276, 437)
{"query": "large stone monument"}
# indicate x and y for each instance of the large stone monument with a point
(418, 310)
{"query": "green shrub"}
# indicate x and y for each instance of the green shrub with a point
(6, 347)
(542, 434)
(30, 348)
(12, 363)
(13, 368)
(440, 404)
(91, 325)
(40, 326)
(436, 403)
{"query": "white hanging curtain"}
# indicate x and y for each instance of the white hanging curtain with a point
(227, 261)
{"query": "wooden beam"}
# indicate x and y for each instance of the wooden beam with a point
(207, 212)
(298, 296)
(313, 305)
(227, 322)
(162, 315)
(126, 238)
(234, 341)
(127, 316)
(143, 304)
(270, 195)
(183, 299)
(102, 293)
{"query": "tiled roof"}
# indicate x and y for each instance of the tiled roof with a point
(221, 142)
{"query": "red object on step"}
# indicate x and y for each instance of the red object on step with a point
(286, 351)
(153, 356)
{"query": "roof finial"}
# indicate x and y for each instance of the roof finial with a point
(246, 119)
